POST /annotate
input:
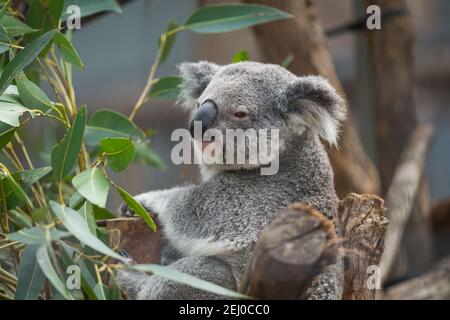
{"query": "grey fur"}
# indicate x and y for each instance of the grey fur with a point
(214, 226)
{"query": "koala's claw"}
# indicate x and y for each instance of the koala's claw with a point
(125, 211)
(124, 253)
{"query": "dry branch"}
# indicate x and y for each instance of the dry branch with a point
(293, 249)
(303, 36)
(433, 285)
(363, 224)
(402, 193)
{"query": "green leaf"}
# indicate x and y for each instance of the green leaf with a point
(26, 179)
(18, 190)
(65, 153)
(31, 278)
(47, 268)
(230, 17)
(43, 16)
(36, 235)
(4, 9)
(87, 213)
(67, 51)
(20, 219)
(106, 124)
(287, 61)
(166, 88)
(102, 213)
(11, 112)
(24, 58)
(181, 277)
(92, 185)
(14, 27)
(120, 152)
(240, 55)
(31, 95)
(75, 224)
(136, 207)
(89, 7)
(6, 134)
(145, 155)
(170, 41)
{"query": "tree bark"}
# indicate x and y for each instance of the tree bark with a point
(292, 250)
(361, 218)
(304, 37)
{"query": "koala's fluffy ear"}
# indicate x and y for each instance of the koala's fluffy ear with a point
(196, 77)
(315, 104)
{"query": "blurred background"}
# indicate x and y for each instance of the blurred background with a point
(118, 50)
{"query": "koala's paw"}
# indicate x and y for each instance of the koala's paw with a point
(124, 211)
(125, 255)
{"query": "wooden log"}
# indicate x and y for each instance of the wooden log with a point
(303, 36)
(433, 285)
(440, 222)
(292, 250)
(135, 237)
(402, 193)
(361, 219)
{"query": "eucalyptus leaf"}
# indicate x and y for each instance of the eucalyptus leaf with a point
(181, 277)
(10, 113)
(31, 95)
(14, 27)
(90, 7)
(67, 51)
(120, 152)
(65, 153)
(170, 41)
(36, 235)
(43, 16)
(75, 224)
(31, 278)
(240, 55)
(166, 88)
(106, 124)
(230, 17)
(6, 134)
(92, 185)
(24, 58)
(47, 268)
(136, 207)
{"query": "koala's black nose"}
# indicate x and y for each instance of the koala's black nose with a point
(206, 113)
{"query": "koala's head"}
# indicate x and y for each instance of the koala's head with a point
(250, 95)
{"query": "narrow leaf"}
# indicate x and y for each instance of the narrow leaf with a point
(31, 278)
(181, 277)
(24, 58)
(170, 41)
(75, 224)
(67, 51)
(230, 17)
(14, 27)
(89, 7)
(136, 207)
(47, 268)
(31, 95)
(65, 153)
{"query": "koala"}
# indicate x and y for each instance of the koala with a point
(211, 228)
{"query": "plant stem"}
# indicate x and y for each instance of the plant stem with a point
(151, 75)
